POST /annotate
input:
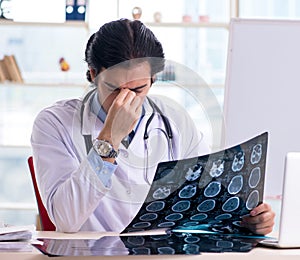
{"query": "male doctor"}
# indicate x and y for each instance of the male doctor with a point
(95, 157)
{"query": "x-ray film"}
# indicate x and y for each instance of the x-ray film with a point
(210, 192)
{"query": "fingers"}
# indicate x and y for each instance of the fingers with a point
(123, 114)
(125, 95)
(259, 230)
(128, 99)
(260, 219)
(260, 209)
(258, 227)
(137, 103)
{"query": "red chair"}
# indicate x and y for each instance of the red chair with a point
(46, 223)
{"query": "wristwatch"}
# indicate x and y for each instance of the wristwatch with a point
(104, 149)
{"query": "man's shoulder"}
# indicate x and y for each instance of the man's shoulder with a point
(60, 109)
(64, 105)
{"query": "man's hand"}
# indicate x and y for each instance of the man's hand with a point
(121, 117)
(261, 220)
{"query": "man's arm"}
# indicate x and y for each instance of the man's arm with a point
(69, 186)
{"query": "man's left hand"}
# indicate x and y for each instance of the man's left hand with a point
(260, 220)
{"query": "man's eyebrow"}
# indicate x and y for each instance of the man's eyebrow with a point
(112, 86)
(139, 87)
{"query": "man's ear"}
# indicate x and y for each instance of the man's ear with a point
(93, 74)
(153, 79)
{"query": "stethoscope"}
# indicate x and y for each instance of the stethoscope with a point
(155, 110)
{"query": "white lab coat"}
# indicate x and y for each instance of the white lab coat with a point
(73, 194)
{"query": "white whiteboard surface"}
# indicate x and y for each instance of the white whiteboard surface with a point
(262, 90)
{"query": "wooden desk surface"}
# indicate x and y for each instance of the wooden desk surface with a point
(256, 253)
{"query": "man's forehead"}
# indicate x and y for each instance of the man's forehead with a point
(127, 72)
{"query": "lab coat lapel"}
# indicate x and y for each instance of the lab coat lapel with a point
(86, 126)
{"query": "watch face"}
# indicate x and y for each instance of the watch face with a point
(105, 148)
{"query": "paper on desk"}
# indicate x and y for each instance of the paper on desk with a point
(13, 233)
(16, 238)
(16, 246)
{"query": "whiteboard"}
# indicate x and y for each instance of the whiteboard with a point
(262, 90)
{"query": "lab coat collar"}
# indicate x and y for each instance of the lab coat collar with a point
(88, 119)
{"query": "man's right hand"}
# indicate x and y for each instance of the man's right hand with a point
(121, 117)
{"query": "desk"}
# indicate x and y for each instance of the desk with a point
(257, 253)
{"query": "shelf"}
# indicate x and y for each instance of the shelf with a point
(85, 25)
(37, 84)
(189, 25)
(65, 24)
(17, 206)
(187, 85)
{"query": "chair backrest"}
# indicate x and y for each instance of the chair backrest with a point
(46, 223)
